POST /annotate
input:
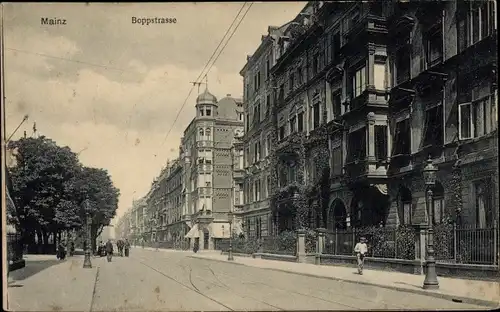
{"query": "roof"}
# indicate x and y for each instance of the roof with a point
(206, 98)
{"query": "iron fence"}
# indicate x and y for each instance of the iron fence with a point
(285, 244)
(398, 243)
(466, 244)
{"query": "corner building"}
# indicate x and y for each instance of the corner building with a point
(211, 165)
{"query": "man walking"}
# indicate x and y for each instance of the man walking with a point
(361, 249)
(127, 247)
(109, 250)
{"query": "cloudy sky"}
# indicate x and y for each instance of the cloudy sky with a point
(111, 89)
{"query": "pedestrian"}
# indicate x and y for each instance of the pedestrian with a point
(72, 248)
(127, 247)
(196, 246)
(361, 249)
(61, 251)
(157, 244)
(109, 250)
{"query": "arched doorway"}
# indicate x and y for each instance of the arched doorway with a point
(337, 215)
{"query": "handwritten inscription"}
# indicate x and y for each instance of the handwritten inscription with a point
(52, 21)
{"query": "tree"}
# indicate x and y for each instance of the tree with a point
(38, 184)
(95, 185)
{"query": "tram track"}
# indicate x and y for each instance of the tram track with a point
(192, 287)
(188, 270)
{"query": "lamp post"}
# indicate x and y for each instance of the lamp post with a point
(87, 264)
(230, 254)
(431, 281)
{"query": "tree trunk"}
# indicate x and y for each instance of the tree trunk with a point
(45, 241)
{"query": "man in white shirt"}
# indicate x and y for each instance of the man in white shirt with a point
(361, 249)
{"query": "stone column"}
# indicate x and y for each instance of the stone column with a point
(201, 239)
(301, 246)
(320, 243)
(371, 66)
(370, 142)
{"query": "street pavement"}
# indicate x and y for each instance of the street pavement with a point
(174, 281)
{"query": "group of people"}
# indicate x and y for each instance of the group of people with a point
(107, 249)
(123, 246)
(61, 250)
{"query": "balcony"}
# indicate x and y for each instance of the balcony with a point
(205, 191)
(370, 98)
(238, 174)
(364, 169)
(205, 143)
(369, 28)
(205, 167)
(292, 141)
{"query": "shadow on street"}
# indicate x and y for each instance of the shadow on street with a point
(33, 267)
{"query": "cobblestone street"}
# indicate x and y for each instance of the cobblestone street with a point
(173, 281)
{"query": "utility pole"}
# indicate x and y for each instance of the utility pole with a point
(198, 84)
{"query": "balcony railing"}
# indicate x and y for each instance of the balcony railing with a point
(355, 168)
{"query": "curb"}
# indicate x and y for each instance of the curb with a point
(459, 299)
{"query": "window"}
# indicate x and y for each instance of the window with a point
(357, 145)
(483, 204)
(379, 75)
(292, 173)
(240, 116)
(291, 82)
(247, 122)
(434, 46)
(268, 186)
(201, 134)
(433, 135)
(336, 104)
(476, 111)
(359, 82)
(209, 112)
(247, 156)
(268, 104)
(402, 138)
(293, 124)
(202, 112)
(208, 134)
(300, 79)
(316, 115)
(256, 113)
(482, 15)
(403, 63)
(335, 45)
(315, 64)
(268, 67)
(281, 133)
(337, 161)
(300, 122)
(381, 143)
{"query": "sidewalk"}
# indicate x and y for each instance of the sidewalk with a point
(468, 291)
(46, 284)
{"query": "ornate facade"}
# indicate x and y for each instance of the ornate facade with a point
(208, 150)
(363, 93)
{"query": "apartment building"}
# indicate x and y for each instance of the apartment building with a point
(257, 140)
(364, 94)
(208, 149)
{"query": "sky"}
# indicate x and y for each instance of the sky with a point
(110, 89)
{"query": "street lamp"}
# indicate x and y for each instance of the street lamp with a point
(230, 254)
(87, 264)
(431, 281)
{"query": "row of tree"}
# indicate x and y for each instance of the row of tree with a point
(49, 187)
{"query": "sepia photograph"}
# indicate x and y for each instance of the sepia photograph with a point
(250, 156)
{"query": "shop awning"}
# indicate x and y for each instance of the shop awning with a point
(220, 230)
(193, 233)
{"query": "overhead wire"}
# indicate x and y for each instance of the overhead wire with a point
(215, 60)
